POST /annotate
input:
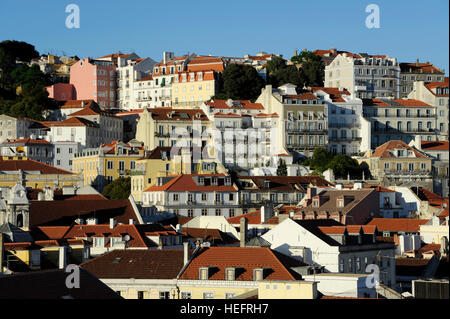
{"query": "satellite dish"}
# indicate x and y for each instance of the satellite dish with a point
(126, 237)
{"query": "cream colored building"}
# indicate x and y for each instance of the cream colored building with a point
(365, 76)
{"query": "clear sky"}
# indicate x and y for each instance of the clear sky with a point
(409, 29)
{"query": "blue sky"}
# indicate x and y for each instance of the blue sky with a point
(409, 29)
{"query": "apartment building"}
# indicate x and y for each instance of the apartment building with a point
(101, 165)
(395, 163)
(198, 83)
(129, 71)
(364, 76)
(95, 79)
(348, 131)
(399, 119)
(303, 123)
(64, 151)
(15, 127)
(435, 94)
(413, 72)
(165, 161)
(193, 195)
(29, 148)
(173, 127)
(257, 191)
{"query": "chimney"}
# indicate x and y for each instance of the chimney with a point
(112, 223)
(266, 213)
(339, 186)
(243, 231)
(62, 257)
(1, 253)
(186, 253)
(417, 62)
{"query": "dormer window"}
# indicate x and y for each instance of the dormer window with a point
(203, 273)
(228, 181)
(316, 203)
(266, 184)
(230, 273)
(214, 181)
(258, 274)
(201, 181)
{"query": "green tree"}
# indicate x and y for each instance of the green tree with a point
(19, 50)
(29, 77)
(311, 67)
(118, 189)
(241, 82)
(282, 168)
(342, 165)
(305, 56)
(279, 73)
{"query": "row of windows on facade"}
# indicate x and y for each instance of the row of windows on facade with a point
(199, 87)
(358, 264)
(409, 127)
(400, 113)
(204, 197)
(183, 295)
(205, 212)
(400, 166)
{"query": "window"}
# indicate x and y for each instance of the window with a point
(231, 212)
(230, 197)
(203, 273)
(58, 150)
(186, 295)
(164, 295)
(229, 295)
(204, 212)
(350, 265)
(230, 274)
(208, 295)
(258, 274)
(175, 197)
(218, 212)
(204, 196)
(140, 294)
(358, 264)
(341, 265)
(190, 213)
(110, 164)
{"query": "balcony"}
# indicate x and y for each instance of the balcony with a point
(307, 131)
(304, 146)
(344, 139)
(406, 131)
(344, 125)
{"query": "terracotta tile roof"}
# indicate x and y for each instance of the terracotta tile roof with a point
(266, 115)
(253, 218)
(215, 236)
(419, 68)
(430, 247)
(181, 183)
(302, 96)
(398, 224)
(28, 141)
(137, 264)
(435, 145)
(397, 103)
(432, 86)
(334, 93)
(248, 258)
(227, 115)
(72, 104)
(64, 213)
(137, 239)
(73, 121)
(285, 183)
(244, 104)
(51, 232)
(30, 165)
(379, 188)
(146, 78)
(170, 114)
(426, 195)
(383, 151)
(332, 230)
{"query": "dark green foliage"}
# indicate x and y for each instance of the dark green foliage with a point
(22, 87)
(282, 168)
(19, 50)
(342, 165)
(118, 189)
(240, 82)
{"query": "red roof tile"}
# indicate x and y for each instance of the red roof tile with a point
(30, 165)
(398, 224)
(435, 145)
(181, 183)
(382, 151)
(248, 258)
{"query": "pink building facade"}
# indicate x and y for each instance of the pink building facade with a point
(95, 80)
(61, 92)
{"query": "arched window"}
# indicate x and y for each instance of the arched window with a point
(19, 222)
